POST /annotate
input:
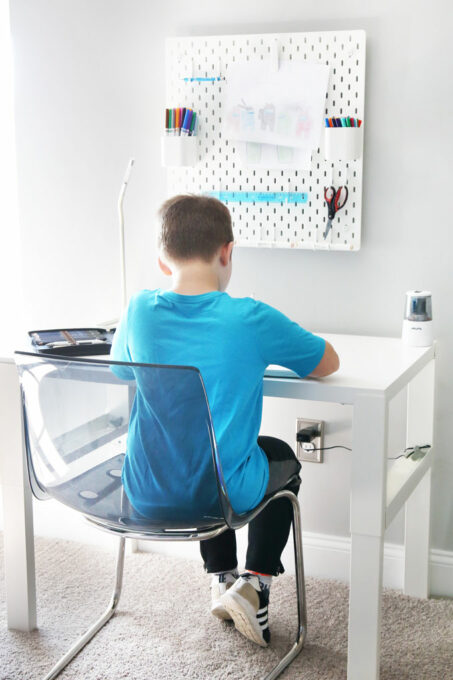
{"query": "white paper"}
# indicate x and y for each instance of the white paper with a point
(283, 108)
(272, 157)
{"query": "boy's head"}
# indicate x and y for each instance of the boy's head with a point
(196, 229)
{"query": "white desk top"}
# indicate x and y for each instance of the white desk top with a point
(367, 364)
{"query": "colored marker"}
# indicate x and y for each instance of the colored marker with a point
(180, 120)
(192, 125)
(167, 122)
(327, 122)
(186, 123)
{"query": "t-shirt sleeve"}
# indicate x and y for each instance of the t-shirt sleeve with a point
(284, 342)
(120, 350)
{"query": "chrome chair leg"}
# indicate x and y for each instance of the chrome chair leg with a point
(300, 586)
(91, 632)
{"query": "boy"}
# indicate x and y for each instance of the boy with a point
(231, 341)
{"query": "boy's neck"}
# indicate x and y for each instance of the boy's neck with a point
(195, 279)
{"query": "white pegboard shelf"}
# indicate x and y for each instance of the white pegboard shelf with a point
(219, 168)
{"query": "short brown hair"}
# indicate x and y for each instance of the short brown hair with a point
(194, 227)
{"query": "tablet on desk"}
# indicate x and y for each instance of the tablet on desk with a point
(274, 371)
(73, 342)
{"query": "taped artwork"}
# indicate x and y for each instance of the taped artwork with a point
(283, 108)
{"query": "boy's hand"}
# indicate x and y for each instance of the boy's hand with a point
(328, 364)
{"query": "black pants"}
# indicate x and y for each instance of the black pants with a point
(269, 531)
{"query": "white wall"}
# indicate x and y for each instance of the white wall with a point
(90, 94)
(10, 257)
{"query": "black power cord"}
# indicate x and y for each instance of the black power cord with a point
(414, 452)
(328, 448)
(412, 449)
(307, 434)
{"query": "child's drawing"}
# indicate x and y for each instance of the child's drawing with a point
(247, 118)
(266, 117)
(281, 108)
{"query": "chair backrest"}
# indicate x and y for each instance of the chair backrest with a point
(82, 415)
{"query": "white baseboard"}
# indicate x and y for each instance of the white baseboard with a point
(328, 557)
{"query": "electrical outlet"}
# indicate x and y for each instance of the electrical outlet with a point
(306, 451)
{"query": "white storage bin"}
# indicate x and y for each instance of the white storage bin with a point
(343, 144)
(179, 151)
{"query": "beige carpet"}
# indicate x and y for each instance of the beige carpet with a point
(164, 631)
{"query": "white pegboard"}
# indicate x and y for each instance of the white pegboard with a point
(219, 167)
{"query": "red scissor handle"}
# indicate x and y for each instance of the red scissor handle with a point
(329, 194)
(341, 197)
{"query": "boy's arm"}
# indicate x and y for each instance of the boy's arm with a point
(120, 351)
(284, 342)
(329, 363)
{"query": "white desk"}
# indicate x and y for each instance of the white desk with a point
(373, 370)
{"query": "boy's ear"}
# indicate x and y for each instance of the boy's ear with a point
(164, 268)
(225, 253)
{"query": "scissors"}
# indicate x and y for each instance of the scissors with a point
(335, 201)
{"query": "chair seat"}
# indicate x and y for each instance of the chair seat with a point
(99, 494)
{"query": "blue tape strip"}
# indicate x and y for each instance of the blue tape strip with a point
(259, 196)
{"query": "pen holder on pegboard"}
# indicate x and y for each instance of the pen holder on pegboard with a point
(179, 151)
(343, 143)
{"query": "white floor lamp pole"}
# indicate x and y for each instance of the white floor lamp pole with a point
(133, 544)
(114, 322)
(121, 221)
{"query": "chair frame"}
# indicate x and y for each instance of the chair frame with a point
(199, 536)
(231, 520)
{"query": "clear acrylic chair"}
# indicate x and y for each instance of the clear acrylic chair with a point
(76, 420)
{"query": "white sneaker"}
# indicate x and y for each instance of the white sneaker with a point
(247, 602)
(219, 585)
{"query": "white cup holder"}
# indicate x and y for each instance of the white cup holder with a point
(179, 151)
(343, 144)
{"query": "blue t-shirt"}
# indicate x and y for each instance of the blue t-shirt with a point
(231, 341)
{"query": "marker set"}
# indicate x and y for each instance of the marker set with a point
(179, 122)
(343, 122)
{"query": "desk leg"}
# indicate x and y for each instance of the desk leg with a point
(17, 506)
(416, 540)
(368, 497)
(365, 607)
(420, 420)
